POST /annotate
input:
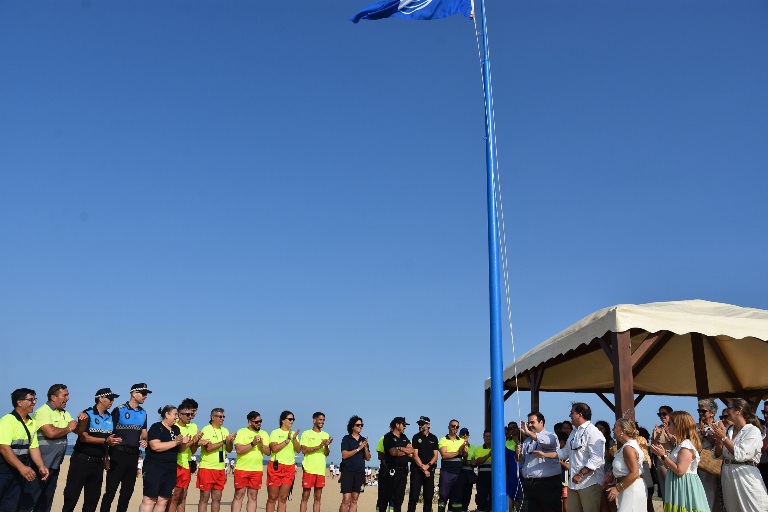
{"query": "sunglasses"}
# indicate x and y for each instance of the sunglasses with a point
(702, 411)
(186, 413)
(291, 419)
(453, 426)
(662, 414)
(723, 417)
(219, 416)
(256, 421)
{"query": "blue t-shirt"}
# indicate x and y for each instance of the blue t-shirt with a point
(98, 426)
(355, 463)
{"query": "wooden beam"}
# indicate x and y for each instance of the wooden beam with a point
(651, 353)
(623, 383)
(639, 398)
(605, 343)
(726, 364)
(607, 402)
(508, 394)
(646, 345)
(699, 365)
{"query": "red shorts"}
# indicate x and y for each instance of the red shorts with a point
(283, 475)
(250, 479)
(208, 479)
(309, 481)
(183, 477)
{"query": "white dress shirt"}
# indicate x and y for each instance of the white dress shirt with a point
(585, 448)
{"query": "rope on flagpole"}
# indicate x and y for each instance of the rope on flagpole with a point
(502, 232)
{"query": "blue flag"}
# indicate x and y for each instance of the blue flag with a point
(414, 9)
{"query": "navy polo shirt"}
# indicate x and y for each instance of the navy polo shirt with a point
(391, 441)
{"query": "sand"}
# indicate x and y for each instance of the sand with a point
(330, 503)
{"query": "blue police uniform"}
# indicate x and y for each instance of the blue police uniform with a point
(86, 466)
(124, 457)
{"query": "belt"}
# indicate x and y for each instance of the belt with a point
(744, 463)
(541, 478)
(87, 458)
(126, 449)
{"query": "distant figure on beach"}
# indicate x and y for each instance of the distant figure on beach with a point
(315, 445)
(53, 423)
(86, 465)
(185, 460)
(251, 445)
(130, 425)
(284, 444)
(355, 452)
(215, 442)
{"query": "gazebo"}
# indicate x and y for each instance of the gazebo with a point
(684, 348)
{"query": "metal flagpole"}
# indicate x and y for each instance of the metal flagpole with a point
(498, 483)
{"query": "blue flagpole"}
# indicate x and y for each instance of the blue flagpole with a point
(498, 482)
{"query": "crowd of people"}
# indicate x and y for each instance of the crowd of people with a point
(704, 465)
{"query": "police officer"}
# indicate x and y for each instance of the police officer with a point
(397, 449)
(423, 466)
(86, 465)
(130, 425)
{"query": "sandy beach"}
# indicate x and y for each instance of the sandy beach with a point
(331, 495)
(330, 503)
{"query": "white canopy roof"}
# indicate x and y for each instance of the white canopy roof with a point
(735, 350)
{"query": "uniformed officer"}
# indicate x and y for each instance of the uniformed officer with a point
(86, 465)
(423, 466)
(18, 446)
(397, 450)
(130, 425)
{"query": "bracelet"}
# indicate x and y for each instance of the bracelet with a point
(663, 456)
(619, 487)
(722, 440)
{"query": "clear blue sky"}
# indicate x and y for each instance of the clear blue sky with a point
(264, 206)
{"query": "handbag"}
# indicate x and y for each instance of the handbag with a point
(709, 464)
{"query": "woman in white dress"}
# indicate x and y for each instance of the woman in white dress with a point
(629, 492)
(743, 487)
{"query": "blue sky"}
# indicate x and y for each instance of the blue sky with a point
(265, 206)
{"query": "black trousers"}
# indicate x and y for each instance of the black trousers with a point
(37, 495)
(483, 496)
(542, 494)
(86, 477)
(419, 482)
(122, 473)
(383, 499)
(467, 479)
(397, 488)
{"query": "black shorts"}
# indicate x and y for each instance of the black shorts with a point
(351, 482)
(159, 481)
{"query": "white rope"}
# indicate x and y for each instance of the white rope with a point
(501, 225)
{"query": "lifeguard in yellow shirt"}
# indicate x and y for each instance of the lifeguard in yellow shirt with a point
(251, 445)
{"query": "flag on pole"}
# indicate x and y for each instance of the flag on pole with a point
(414, 9)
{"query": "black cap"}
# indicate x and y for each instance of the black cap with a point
(106, 393)
(464, 431)
(423, 420)
(141, 387)
(396, 420)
